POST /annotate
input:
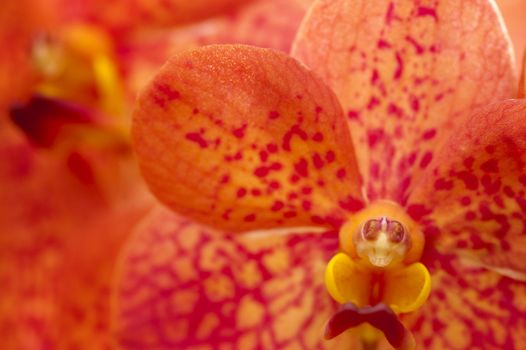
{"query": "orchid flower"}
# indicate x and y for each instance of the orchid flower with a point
(378, 167)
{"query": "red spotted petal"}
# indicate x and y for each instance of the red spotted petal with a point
(240, 137)
(474, 189)
(55, 286)
(59, 238)
(182, 286)
(405, 72)
(470, 308)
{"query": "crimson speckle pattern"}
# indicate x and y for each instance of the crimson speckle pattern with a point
(185, 286)
(240, 137)
(474, 189)
(406, 72)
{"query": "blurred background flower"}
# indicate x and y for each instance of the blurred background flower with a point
(70, 191)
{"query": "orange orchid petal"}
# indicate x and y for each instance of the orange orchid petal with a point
(182, 285)
(522, 81)
(469, 308)
(55, 284)
(133, 14)
(19, 21)
(262, 23)
(514, 12)
(405, 72)
(473, 189)
(59, 238)
(240, 137)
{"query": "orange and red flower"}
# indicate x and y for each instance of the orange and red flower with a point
(402, 112)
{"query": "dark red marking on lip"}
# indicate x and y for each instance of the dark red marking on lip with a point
(379, 316)
(44, 119)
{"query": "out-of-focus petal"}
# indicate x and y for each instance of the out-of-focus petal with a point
(181, 285)
(127, 15)
(522, 81)
(240, 137)
(56, 280)
(19, 21)
(469, 308)
(474, 189)
(514, 13)
(262, 23)
(405, 73)
(61, 228)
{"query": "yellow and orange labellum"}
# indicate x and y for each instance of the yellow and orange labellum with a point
(470, 307)
(473, 195)
(78, 64)
(380, 247)
(184, 286)
(405, 73)
(403, 288)
(241, 137)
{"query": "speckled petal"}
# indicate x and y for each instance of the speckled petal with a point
(240, 137)
(405, 72)
(469, 308)
(59, 237)
(183, 286)
(472, 196)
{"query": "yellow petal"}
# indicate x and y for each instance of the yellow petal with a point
(346, 281)
(406, 289)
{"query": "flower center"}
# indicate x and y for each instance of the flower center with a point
(382, 241)
(77, 65)
(378, 265)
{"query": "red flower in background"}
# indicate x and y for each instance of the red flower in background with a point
(243, 139)
(70, 191)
